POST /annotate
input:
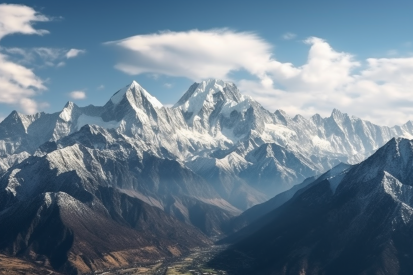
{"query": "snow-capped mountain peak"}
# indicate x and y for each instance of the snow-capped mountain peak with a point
(395, 158)
(19, 122)
(207, 94)
(134, 94)
(338, 116)
(205, 103)
(67, 112)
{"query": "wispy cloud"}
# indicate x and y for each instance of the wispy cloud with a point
(194, 54)
(74, 52)
(289, 36)
(36, 57)
(77, 95)
(101, 87)
(167, 85)
(40, 56)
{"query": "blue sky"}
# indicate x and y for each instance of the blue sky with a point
(300, 56)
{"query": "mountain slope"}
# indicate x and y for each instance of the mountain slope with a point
(259, 215)
(357, 223)
(93, 157)
(73, 236)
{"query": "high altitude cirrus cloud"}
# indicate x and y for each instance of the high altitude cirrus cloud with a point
(40, 56)
(377, 88)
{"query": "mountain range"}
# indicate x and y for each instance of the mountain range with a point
(93, 187)
(356, 220)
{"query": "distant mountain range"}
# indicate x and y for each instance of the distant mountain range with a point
(93, 187)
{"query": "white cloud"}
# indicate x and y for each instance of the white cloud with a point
(195, 54)
(167, 85)
(101, 87)
(77, 95)
(377, 89)
(29, 105)
(19, 19)
(326, 69)
(73, 53)
(18, 84)
(289, 36)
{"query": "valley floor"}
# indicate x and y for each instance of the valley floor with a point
(192, 264)
(15, 266)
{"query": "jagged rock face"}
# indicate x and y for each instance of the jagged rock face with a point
(356, 222)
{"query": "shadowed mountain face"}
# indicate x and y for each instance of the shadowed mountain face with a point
(257, 214)
(352, 223)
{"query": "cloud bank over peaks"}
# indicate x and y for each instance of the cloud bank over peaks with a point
(376, 88)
